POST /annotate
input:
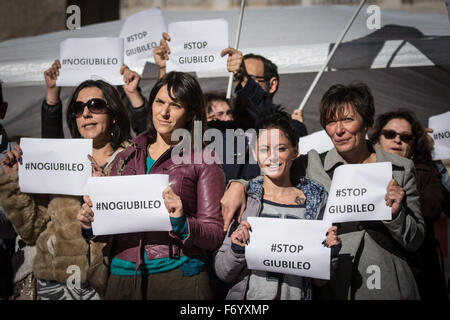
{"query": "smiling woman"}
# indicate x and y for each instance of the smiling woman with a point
(399, 132)
(274, 195)
(168, 265)
(95, 112)
(346, 113)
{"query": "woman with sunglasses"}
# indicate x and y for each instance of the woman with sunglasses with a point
(49, 221)
(51, 111)
(373, 252)
(176, 264)
(399, 132)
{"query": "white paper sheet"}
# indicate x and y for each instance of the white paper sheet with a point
(127, 204)
(142, 33)
(90, 59)
(357, 193)
(441, 135)
(290, 246)
(196, 45)
(319, 141)
(55, 166)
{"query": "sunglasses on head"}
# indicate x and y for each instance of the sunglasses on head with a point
(95, 105)
(391, 134)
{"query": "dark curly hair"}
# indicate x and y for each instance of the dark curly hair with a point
(419, 145)
(120, 129)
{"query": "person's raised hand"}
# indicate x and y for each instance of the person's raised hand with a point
(394, 197)
(172, 202)
(234, 61)
(131, 80)
(297, 115)
(161, 52)
(85, 215)
(10, 161)
(97, 171)
(50, 76)
(242, 234)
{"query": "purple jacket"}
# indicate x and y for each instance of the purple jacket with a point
(200, 187)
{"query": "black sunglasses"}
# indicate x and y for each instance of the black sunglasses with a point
(95, 105)
(391, 134)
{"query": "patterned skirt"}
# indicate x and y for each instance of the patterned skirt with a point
(53, 290)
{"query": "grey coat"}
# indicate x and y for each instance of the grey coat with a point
(232, 267)
(362, 259)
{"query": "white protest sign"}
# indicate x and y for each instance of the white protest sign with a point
(319, 141)
(291, 246)
(129, 204)
(141, 33)
(196, 45)
(55, 166)
(90, 59)
(441, 135)
(357, 193)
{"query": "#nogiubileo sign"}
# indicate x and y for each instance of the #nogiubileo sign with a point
(90, 59)
(290, 246)
(128, 204)
(196, 45)
(141, 33)
(55, 166)
(357, 193)
(441, 135)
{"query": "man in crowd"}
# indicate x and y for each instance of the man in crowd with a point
(217, 107)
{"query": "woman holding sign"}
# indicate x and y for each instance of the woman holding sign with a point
(49, 221)
(169, 265)
(373, 260)
(399, 132)
(277, 197)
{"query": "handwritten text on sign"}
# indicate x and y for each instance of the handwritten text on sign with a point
(441, 135)
(129, 204)
(90, 59)
(290, 246)
(357, 193)
(196, 45)
(55, 166)
(142, 32)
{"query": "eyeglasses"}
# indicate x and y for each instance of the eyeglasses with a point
(95, 105)
(258, 78)
(391, 134)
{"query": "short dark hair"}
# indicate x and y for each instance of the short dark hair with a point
(277, 118)
(182, 88)
(120, 129)
(212, 96)
(356, 94)
(419, 144)
(270, 69)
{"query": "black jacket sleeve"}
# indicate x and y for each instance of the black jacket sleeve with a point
(51, 121)
(258, 101)
(138, 116)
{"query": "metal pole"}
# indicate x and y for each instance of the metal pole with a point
(236, 45)
(314, 83)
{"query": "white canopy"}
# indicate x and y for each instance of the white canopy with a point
(406, 62)
(297, 39)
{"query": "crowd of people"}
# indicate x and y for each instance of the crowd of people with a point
(208, 203)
